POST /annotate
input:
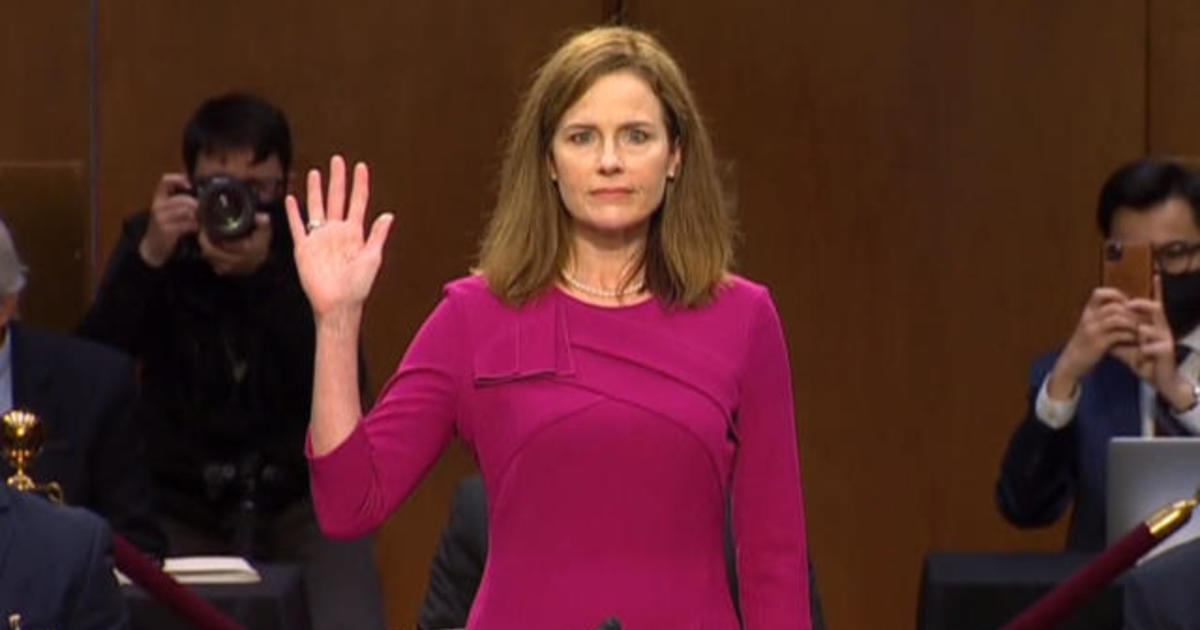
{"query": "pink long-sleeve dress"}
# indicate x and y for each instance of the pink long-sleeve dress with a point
(609, 440)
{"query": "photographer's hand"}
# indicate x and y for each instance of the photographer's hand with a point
(337, 267)
(242, 256)
(1105, 324)
(172, 214)
(1156, 352)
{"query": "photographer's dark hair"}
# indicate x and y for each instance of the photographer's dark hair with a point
(1144, 183)
(237, 121)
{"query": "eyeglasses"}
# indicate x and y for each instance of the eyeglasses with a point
(1177, 256)
(265, 189)
(1172, 257)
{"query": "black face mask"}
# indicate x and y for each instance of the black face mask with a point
(1181, 301)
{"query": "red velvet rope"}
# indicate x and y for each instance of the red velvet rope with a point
(163, 588)
(1056, 605)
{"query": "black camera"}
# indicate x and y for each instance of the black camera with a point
(225, 207)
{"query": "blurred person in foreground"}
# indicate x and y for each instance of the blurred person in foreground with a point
(56, 568)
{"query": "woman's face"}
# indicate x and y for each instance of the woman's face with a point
(611, 157)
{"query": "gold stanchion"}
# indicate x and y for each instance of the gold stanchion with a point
(21, 438)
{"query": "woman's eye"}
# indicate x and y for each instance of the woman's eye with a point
(579, 137)
(638, 136)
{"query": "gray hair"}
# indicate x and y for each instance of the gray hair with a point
(12, 270)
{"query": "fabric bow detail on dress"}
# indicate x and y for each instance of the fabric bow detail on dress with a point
(534, 342)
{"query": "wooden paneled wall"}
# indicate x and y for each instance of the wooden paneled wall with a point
(1173, 85)
(44, 150)
(916, 182)
(44, 102)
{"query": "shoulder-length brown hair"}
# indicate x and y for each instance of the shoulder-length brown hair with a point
(689, 244)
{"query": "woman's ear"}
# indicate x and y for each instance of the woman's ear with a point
(675, 161)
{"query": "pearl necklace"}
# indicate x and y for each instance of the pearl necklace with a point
(597, 291)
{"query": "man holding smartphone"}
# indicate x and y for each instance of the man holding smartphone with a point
(1121, 372)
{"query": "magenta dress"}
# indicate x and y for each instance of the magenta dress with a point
(608, 440)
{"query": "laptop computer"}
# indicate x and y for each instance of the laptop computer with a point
(1144, 474)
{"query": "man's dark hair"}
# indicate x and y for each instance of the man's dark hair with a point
(237, 121)
(1144, 183)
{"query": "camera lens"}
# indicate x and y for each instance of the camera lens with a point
(225, 207)
(1113, 250)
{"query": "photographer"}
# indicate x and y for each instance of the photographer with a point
(202, 289)
(1129, 369)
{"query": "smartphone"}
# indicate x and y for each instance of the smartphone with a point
(1128, 267)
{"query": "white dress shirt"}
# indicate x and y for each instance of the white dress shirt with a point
(6, 385)
(1058, 413)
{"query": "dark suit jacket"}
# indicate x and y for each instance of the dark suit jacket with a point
(1164, 593)
(84, 393)
(55, 567)
(1044, 470)
(458, 564)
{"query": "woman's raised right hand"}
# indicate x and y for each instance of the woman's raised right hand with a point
(336, 264)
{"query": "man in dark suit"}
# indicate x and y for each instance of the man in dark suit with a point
(457, 567)
(458, 563)
(1118, 374)
(55, 567)
(84, 394)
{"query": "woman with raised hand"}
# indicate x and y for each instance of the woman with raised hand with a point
(615, 382)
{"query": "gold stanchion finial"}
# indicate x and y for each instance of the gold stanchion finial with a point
(21, 438)
(1171, 517)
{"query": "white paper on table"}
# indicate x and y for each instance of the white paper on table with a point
(206, 570)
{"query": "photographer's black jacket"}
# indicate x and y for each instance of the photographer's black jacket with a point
(226, 366)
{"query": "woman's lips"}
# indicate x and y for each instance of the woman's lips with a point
(610, 193)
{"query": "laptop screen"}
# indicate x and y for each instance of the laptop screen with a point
(1145, 474)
